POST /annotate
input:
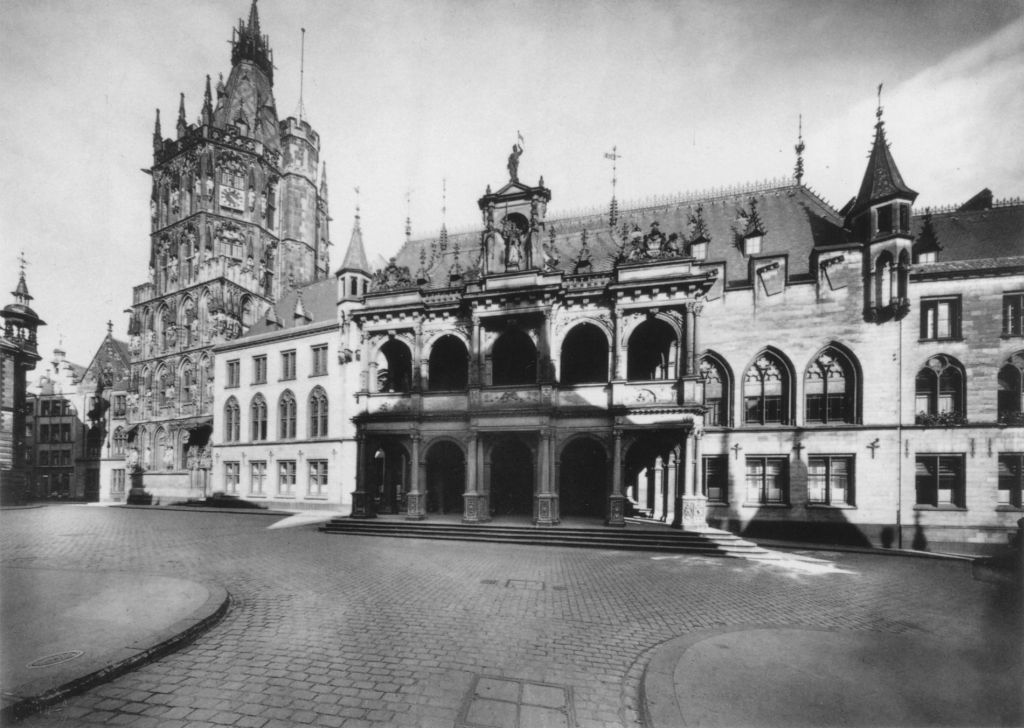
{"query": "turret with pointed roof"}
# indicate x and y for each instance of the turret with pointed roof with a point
(354, 273)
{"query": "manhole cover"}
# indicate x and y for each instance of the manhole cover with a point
(51, 660)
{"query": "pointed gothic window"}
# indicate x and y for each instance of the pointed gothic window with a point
(715, 380)
(939, 391)
(829, 389)
(1010, 397)
(318, 413)
(766, 391)
(231, 420)
(286, 416)
(258, 418)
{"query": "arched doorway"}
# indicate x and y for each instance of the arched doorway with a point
(511, 478)
(446, 478)
(583, 479)
(585, 356)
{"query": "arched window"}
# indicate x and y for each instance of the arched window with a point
(187, 378)
(396, 375)
(1010, 402)
(652, 352)
(714, 378)
(286, 416)
(940, 395)
(584, 358)
(232, 419)
(258, 418)
(829, 389)
(318, 413)
(514, 359)
(766, 391)
(449, 365)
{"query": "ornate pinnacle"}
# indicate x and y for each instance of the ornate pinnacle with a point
(798, 171)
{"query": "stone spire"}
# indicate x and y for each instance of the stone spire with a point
(798, 171)
(355, 256)
(882, 180)
(182, 124)
(250, 44)
(207, 117)
(323, 182)
(158, 138)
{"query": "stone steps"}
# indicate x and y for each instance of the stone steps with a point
(710, 542)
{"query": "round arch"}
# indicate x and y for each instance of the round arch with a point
(652, 350)
(445, 473)
(584, 355)
(448, 364)
(513, 358)
(584, 481)
(394, 373)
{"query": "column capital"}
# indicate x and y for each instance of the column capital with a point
(695, 307)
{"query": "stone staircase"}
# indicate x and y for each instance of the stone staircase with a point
(634, 537)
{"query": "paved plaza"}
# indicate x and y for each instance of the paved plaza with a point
(331, 630)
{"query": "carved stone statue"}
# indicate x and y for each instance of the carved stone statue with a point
(513, 162)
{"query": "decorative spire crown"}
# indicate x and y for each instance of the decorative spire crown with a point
(882, 180)
(248, 43)
(798, 171)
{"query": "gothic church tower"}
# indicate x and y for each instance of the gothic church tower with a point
(238, 216)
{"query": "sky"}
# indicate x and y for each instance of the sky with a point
(413, 97)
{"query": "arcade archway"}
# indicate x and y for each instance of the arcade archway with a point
(583, 479)
(512, 478)
(446, 478)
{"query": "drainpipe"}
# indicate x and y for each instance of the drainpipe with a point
(899, 437)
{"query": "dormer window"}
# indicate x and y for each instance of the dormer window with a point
(931, 257)
(752, 244)
(699, 250)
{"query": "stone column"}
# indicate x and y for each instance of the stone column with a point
(658, 474)
(694, 503)
(471, 498)
(362, 497)
(546, 507)
(675, 513)
(616, 501)
(415, 498)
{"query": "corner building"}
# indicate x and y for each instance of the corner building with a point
(753, 359)
(238, 215)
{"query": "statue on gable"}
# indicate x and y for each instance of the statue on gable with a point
(513, 159)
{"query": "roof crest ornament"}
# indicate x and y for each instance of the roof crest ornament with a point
(513, 159)
(798, 172)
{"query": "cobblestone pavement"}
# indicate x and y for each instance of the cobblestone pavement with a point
(350, 631)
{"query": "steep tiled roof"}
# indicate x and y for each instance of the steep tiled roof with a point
(996, 232)
(355, 256)
(319, 303)
(795, 221)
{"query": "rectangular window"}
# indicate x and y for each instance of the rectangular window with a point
(319, 359)
(117, 481)
(940, 480)
(1011, 479)
(286, 477)
(44, 433)
(257, 476)
(885, 219)
(318, 477)
(940, 318)
(44, 409)
(44, 457)
(716, 478)
(65, 432)
(231, 473)
(30, 408)
(233, 378)
(119, 405)
(830, 480)
(259, 369)
(1013, 314)
(767, 480)
(288, 364)
(65, 457)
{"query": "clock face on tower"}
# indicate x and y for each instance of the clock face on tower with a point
(232, 198)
